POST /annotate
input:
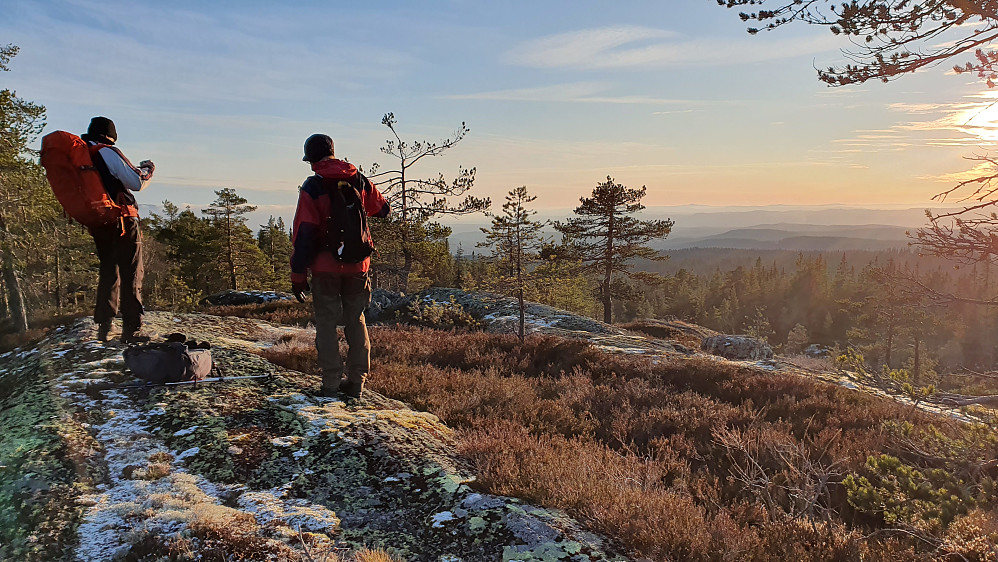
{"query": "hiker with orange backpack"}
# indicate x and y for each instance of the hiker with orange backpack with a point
(331, 239)
(93, 181)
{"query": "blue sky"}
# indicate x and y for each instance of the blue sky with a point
(558, 95)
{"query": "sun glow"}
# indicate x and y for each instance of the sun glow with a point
(980, 120)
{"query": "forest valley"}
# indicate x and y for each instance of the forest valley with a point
(889, 306)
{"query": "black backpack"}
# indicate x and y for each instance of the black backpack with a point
(174, 360)
(347, 236)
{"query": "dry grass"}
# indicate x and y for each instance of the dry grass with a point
(329, 553)
(814, 364)
(291, 313)
(689, 459)
(377, 555)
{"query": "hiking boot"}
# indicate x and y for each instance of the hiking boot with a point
(330, 385)
(351, 389)
(103, 329)
(328, 392)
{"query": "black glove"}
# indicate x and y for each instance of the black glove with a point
(299, 288)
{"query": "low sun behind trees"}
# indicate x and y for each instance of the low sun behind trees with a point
(888, 40)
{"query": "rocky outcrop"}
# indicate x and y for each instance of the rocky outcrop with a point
(815, 350)
(498, 314)
(683, 333)
(98, 468)
(738, 348)
(237, 298)
(383, 303)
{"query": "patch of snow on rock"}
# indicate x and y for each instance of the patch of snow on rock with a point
(269, 506)
(187, 431)
(440, 518)
(188, 453)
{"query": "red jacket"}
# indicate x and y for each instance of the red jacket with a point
(309, 251)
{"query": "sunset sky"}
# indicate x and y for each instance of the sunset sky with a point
(557, 95)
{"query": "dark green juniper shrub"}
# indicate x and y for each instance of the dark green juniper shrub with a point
(939, 476)
(435, 314)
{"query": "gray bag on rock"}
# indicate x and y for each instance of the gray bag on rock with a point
(169, 361)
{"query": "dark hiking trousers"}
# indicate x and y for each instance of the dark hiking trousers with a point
(341, 300)
(120, 256)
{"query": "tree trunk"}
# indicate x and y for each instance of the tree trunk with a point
(988, 400)
(4, 311)
(15, 298)
(406, 251)
(406, 267)
(890, 343)
(522, 313)
(58, 279)
(232, 262)
(917, 362)
(607, 305)
(608, 277)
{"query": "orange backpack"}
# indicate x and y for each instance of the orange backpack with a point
(76, 183)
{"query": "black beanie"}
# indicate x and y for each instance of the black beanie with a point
(102, 130)
(317, 147)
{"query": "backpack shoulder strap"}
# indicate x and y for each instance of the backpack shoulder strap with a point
(313, 185)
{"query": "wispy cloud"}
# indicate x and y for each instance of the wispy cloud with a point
(186, 58)
(578, 92)
(673, 112)
(981, 169)
(972, 123)
(637, 47)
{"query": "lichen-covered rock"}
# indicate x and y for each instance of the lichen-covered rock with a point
(738, 348)
(257, 469)
(236, 298)
(501, 314)
(816, 350)
(676, 331)
(383, 301)
(449, 308)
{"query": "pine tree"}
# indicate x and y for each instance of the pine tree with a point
(193, 258)
(416, 201)
(20, 179)
(609, 238)
(515, 239)
(797, 339)
(757, 325)
(241, 256)
(275, 242)
(889, 39)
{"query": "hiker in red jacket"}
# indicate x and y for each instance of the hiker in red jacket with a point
(341, 289)
(119, 245)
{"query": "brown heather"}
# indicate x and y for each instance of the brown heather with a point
(656, 453)
(290, 313)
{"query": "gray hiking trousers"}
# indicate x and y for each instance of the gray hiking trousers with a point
(341, 300)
